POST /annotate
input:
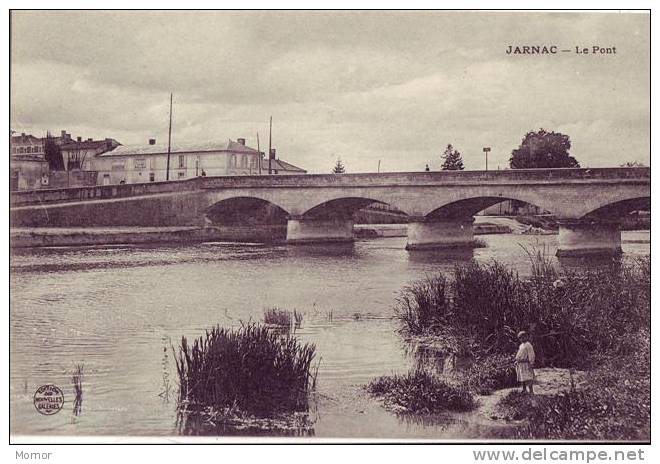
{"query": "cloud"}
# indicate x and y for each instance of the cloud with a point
(389, 86)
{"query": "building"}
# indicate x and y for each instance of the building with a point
(26, 144)
(79, 153)
(28, 168)
(278, 166)
(148, 163)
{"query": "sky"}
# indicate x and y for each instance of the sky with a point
(368, 87)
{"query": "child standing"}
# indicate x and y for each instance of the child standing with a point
(525, 363)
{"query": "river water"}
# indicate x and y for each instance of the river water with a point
(116, 310)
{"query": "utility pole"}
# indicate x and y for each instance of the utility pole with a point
(486, 150)
(169, 142)
(379, 166)
(270, 141)
(259, 155)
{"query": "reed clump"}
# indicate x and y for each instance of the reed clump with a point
(250, 369)
(567, 314)
(283, 319)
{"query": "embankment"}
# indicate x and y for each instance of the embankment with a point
(48, 237)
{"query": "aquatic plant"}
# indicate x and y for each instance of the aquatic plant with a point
(77, 381)
(489, 374)
(567, 314)
(298, 319)
(421, 392)
(423, 306)
(278, 317)
(251, 369)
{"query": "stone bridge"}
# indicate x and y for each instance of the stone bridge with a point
(319, 208)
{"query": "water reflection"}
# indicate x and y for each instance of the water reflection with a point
(336, 250)
(204, 424)
(454, 255)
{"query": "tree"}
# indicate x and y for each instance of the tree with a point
(339, 167)
(632, 164)
(543, 149)
(453, 161)
(53, 154)
(76, 158)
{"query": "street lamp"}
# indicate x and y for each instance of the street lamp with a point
(486, 150)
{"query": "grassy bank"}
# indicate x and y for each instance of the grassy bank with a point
(596, 321)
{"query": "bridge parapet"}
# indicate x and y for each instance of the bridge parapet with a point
(509, 176)
(100, 192)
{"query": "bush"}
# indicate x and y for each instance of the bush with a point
(489, 374)
(251, 369)
(421, 392)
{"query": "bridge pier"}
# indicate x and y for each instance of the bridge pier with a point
(580, 237)
(302, 230)
(448, 233)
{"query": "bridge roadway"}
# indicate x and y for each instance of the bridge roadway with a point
(319, 208)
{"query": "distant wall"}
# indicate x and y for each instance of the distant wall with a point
(75, 178)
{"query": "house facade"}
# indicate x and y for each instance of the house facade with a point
(132, 164)
(28, 169)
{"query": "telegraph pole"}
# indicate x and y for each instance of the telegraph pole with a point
(169, 142)
(270, 141)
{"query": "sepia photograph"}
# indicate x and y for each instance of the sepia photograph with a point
(304, 226)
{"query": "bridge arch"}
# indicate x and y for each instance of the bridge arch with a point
(245, 211)
(343, 207)
(468, 207)
(619, 208)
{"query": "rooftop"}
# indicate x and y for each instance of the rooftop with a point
(280, 165)
(24, 138)
(160, 148)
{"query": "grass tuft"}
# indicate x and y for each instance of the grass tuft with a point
(421, 392)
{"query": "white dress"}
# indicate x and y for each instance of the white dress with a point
(524, 362)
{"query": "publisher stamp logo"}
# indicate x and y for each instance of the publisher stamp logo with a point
(48, 399)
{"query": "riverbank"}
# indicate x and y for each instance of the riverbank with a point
(597, 322)
(92, 236)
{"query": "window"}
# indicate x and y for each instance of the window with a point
(182, 174)
(243, 161)
(233, 161)
(152, 177)
(140, 164)
(182, 161)
(152, 163)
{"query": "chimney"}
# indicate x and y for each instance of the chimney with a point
(63, 135)
(152, 141)
(272, 153)
(79, 139)
(108, 143)
(23, 134)
(90, 139)
(241, 141)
